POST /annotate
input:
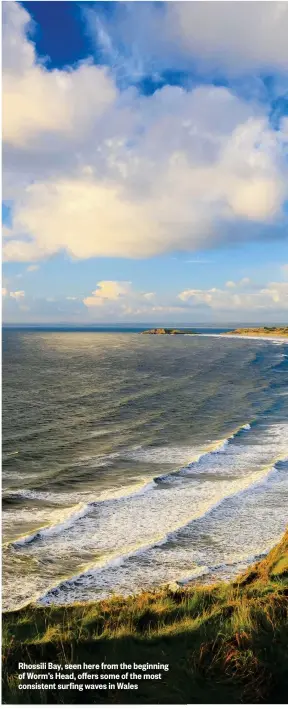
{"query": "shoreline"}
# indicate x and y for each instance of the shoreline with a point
(203, 575)
(267, 338)
(223, 643)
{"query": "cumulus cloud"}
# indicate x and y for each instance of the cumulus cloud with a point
(226, 299)
(8, 294)
(56, 101)
(121, 299)
(97, 172)
(107, 291)
(144, 205)
(37, 101)
(144, 38)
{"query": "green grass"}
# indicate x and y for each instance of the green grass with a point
(224, 643)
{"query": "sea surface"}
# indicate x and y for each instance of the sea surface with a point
(131, 461)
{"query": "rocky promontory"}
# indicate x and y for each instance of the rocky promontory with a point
(166, 331)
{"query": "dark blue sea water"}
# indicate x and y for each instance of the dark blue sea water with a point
(131, 461)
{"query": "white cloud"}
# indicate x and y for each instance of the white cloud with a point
(277, 292)
(242, 283)
(166, 309)
(171, 201)
(97, 173)
(33, 267)
(71, 297)
(107, 291)
(17, 294)
(18, 53)
(149, 296)
(57, 101)
(224, 300)
(257, 199)
(120, 299)
(230, 36)
(225, 37)
(37, 101)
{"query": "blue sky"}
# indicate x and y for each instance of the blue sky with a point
(145, 162)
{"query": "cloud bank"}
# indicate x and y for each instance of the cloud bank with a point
(121, 300)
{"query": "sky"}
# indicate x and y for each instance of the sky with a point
(145, 162)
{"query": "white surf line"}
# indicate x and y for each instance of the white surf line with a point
(271, 338)
(247, 561)
(118, 560)
(50, 530)
(207, 570)
(218, 447)
(83, 508)
(112, 561)
(8, 455)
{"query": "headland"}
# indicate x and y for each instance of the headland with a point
(274, 331)
(167, 331)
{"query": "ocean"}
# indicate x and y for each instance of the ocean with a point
(130, 461)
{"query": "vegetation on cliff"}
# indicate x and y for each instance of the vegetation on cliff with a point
(260, 331)
(224, 643)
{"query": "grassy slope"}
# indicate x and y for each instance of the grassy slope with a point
(260, 331)
(224, 643)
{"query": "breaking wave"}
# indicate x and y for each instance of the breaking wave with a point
(72, 514)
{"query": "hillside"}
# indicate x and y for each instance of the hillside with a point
(260, 331)
(224, 643)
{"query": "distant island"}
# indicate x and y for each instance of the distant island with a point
(167, 331)
(260, 331)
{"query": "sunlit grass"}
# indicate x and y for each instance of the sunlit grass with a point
(227, 642)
